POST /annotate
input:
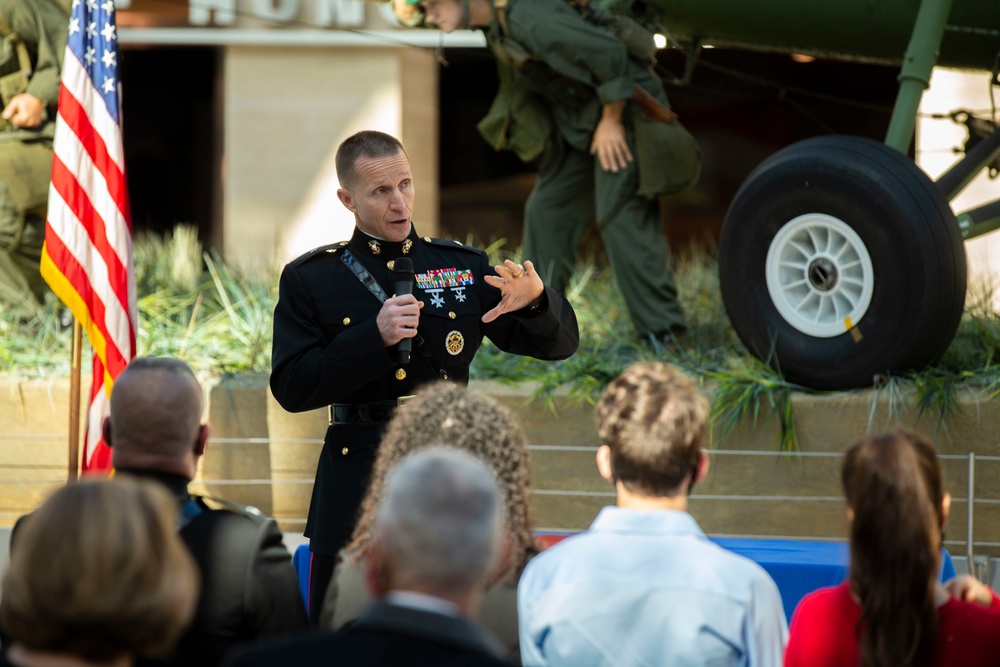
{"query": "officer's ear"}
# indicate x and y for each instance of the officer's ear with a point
(106, 431)
(202, 442)
(347, 200)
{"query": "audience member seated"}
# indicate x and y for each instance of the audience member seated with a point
(249, 588)
(436, 537)
(892, 610)
(644, 585)
(446, 413)
(99, 578)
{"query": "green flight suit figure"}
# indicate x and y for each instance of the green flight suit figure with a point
(566, 94)
(31, 53)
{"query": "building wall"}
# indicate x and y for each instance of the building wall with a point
(286, 109)
(936, 138)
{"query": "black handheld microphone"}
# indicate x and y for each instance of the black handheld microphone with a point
(402, 276)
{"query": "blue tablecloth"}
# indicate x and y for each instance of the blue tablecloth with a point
(301, 561)
(799, 567)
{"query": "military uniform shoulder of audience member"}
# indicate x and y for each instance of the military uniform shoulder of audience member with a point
(249, 589)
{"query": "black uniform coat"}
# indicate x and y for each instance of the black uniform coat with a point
(327, 349)
(386, 635)
(249, 590)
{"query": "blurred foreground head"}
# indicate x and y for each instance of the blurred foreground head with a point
(100, 573)
(443, 413)
(652, 422)
(898, 509)
(439, 525)
(156, 418)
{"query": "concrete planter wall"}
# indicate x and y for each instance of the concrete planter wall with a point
(261, 455)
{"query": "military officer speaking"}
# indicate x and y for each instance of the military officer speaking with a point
(340, 324)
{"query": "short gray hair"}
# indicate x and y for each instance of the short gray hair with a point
(441, 520)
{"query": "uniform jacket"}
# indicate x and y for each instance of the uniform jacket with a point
(573, 67)
(385, 635)
(248, 587)
(327, 349)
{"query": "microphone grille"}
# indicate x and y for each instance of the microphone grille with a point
(402, 265)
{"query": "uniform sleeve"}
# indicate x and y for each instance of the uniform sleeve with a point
(574, 48)
(52, 27)
(273, 603)
(308, 370)
(767, 629)
(552, 333)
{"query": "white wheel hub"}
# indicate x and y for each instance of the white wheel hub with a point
(819, 275)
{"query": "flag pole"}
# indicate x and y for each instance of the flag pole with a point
(74, 403)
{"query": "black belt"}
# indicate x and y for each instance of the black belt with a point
(376, 412)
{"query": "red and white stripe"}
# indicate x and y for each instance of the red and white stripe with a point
(87, 259)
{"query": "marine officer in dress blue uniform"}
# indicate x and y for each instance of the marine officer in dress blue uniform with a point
(337, 327)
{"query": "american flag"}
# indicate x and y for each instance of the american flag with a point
(87, 258)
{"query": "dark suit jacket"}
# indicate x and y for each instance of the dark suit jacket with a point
(385, 635)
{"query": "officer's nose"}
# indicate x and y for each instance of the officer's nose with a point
(398, 201)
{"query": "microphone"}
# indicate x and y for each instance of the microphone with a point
(402, 276)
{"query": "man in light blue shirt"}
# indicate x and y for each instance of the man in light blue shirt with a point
(644, 586)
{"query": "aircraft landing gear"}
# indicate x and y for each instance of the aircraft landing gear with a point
(841, 260)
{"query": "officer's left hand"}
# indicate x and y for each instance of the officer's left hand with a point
(520, 287)
(25, 110)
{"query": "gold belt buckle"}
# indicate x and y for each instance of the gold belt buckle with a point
(403, 400)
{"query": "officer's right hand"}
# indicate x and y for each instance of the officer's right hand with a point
(25, 110)
(399, 318)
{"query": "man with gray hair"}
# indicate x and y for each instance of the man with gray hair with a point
(644, 585)
(438, 536)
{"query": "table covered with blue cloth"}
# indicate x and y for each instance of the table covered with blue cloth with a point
(798, 567)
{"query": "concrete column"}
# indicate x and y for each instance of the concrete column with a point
(286, 110)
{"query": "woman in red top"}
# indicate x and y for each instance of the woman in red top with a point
(892, 612)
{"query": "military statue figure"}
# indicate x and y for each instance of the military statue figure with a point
(577, 89)
(31, 51)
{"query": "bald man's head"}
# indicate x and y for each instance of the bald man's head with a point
(155, 422)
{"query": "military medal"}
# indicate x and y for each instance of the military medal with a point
(455, 343)
(407, 244)
(373, 244)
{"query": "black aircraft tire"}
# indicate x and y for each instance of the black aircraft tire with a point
(840, 260)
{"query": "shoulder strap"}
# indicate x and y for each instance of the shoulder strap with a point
(362, 274)
(23, 59)
(500, 8)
